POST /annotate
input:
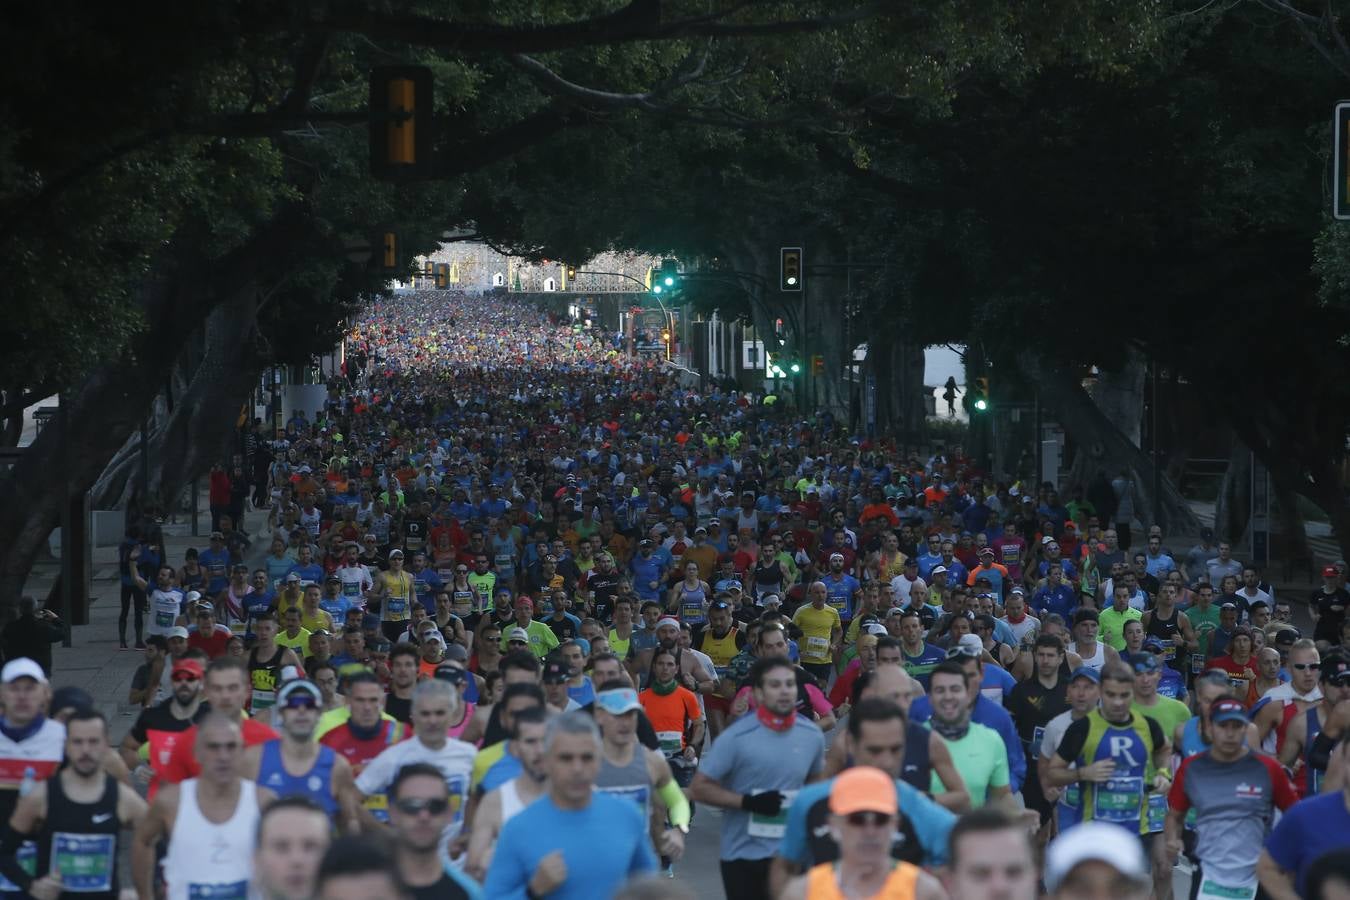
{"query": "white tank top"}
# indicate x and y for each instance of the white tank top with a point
(207, 861)
(511, 803)
(1097, 660)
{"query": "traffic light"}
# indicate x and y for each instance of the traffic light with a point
(790, 269)
(666, 278)
(817, 365)
(401, 106)
(1340, 162)
(389, 252)
(442, 275)
(571, 272)
(427, 268)
(977, 395)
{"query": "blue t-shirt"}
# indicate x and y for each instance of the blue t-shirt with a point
(839, 593)
(737, 762)
(216, 565)
(645, 571)
(932, 823)
(997, 683)
(1307, 830)
(426, 583)
(310, 574)
(614, 823)
(991, 715)
(1060, 599)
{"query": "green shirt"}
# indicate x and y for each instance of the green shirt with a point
(981, 759)
(1204, 622)
(1168, 713)
(542, 638)
(1112, 625)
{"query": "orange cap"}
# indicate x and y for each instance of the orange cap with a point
(863, 789)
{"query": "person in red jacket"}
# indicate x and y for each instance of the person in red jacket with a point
(220, 495)
(226, 690)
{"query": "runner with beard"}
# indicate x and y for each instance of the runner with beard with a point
(812, 703)
(75, 818)
(755, 797)
(721, 641)
(1032, 704)
(159, 728)
(977, 750)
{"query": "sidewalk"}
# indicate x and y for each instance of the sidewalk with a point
(93, 661)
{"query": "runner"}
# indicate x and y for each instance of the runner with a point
(754, 798)
(674, 712)
(549, 849)
(1118, 757)
(366, 734)
(297, 765)
(393, 593)
(1096, 859)
(877, 731)
(225, 688)
(216, 812)
(421, 809)
(1309, 829)
(159, 728)
(630, 770)
(265, 662)
(74, 818)
(293, 834)
(863, 815)
(500, 804)
(1308, 741)
(434, 707)
(1033, 704)
(991, 858)
(1234, 792)
(822, 630)
(31, 745)
(979, 752)
(720, 641)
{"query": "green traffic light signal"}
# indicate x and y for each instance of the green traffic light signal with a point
(670, 282)
(656, 289)
(981, 404)
(796, 367)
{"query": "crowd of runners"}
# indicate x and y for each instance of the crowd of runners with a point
(528, 608)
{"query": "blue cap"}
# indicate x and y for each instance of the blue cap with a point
(1227, 710)
(1087, 672)
(1144, 662)
(618, 701)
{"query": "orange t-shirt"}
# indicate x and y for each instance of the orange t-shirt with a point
(670, 716)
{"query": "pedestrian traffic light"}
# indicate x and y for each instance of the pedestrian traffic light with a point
(442, 276)
(977, 395)
(790, 269)
(401, 107)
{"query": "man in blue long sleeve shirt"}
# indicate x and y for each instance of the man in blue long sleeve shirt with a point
(986, 712)
(573, 843)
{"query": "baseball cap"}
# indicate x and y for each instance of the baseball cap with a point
(720, 604)
(618, 701)
(332, 579)
(453, 674)
(1087, 672)
(457, 653)
(1047, 540)
(293, 578)
(770, 598)
(1144, 662)
(1227, 710)
(1285, 637)
(189, 666)
(555, 672)
(1153, 645)
(23, 667)
(70, 697)
(734, 586)
(875, 628)
(969, 645)
(936, 570)
(300, 686)
(518, 634)
(1095, 842)
(1329, 572)
(986, 551)
(177, 631)
(700, 530)
(217, 535)
(863, 789)
(1336, 669)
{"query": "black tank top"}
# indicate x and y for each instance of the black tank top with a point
(82, 840)
(1162, 629)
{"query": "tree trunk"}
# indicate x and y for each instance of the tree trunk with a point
(1104, 447)
(1232, 508)
(103, 412)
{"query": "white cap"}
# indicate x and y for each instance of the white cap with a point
(516, 634)
(23, 667)
(1099, 841)
(193, 597)
(875, 628)
(177, 631)
(972, 642)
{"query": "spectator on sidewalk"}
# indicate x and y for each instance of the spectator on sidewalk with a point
(32, 634)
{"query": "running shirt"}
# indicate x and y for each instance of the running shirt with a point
(818, 626)
(79, 842)
(397, 605)
(165, 608)
(633, 780)
(160, 729)
(1234, 805)
(693, 604)
(360, 751)
(33, 754)
(264, 676)
(670, 715)
(316, 784)
(982, 760)
(1121, 799)
(356, 581)
(822, 883)
(1165, 631)
(207, 861)
(920, 834)
(921, 667)
(454, 760)
(720, 650)
(1069, 807)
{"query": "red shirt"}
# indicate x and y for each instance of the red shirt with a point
(212, 644)
(1240, 675)
(183, 763)
(359, 752)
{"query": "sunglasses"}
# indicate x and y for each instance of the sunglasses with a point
(300, 701)
(412, 806)
(1304, 667)
(873, 819)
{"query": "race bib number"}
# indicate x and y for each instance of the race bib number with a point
(672, 742)
(817, 646)
(27, 859)
(463, 603)
(1157, 812)
(1118, 800)
(84, 861)
(378, 804)
(351, 588)
(164, 618)
(771, 827)
(395, 610)
(235, 890)
(1212, 890)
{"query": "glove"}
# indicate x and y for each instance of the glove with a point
(765, 803)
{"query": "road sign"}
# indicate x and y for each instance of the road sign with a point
(1340, 161)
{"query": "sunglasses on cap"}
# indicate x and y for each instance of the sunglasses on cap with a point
(300, 700)
(959, 652)
(411, 806)
(868, 818)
